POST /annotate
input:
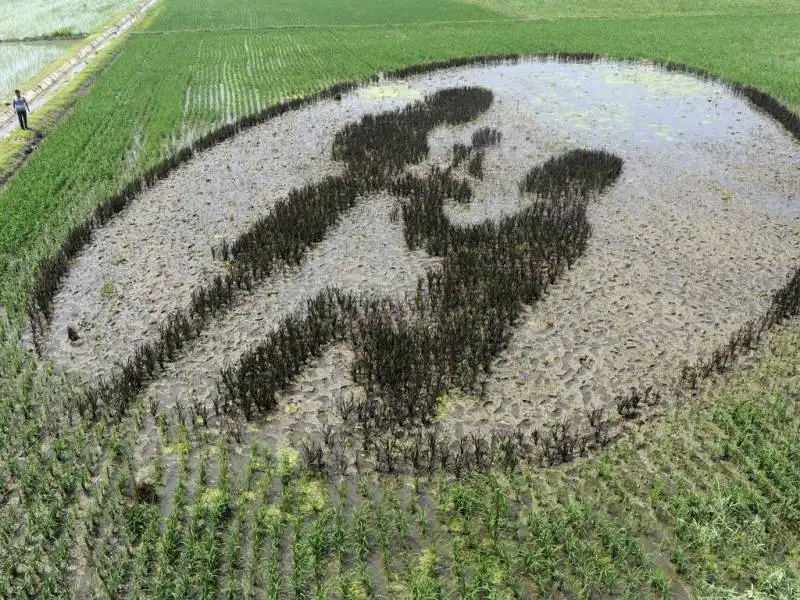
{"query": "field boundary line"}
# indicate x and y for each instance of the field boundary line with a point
(37, 95)
(314, 26)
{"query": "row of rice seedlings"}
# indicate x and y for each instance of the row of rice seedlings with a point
(461, 153)
(237, 572)
(389, 448)
(293, 225)
(111, 556)
(118, 517)
(172, 537)
(51, 271)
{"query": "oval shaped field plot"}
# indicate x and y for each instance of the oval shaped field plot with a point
(687, 243)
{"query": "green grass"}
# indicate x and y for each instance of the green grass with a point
(703, 503)
(635, 9)
(37, 18)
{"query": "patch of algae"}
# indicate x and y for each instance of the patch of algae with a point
(677, 85)
(390, 90)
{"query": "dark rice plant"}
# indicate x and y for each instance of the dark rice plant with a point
(486, 136)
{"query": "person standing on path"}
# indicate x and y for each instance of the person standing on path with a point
(22, 108)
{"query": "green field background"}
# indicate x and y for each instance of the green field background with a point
(703, 503)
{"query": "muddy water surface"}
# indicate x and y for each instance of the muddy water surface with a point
(702, 226)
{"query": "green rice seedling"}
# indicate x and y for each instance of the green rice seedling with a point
(320, 545)
(230, 572)
(143, 560)
(301, 563)
(361, 533)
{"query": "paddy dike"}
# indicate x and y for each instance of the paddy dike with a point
(700, 228)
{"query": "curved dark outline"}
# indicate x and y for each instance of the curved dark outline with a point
(47, 277)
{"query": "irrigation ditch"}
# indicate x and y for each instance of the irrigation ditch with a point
(407, 354)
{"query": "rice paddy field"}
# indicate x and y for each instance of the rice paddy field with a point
(21, 61)
(517, 327)
(57, 18)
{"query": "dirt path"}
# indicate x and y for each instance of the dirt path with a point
(40, 94)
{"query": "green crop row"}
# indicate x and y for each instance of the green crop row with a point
(632, 9)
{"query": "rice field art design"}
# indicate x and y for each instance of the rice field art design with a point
(493, 265)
